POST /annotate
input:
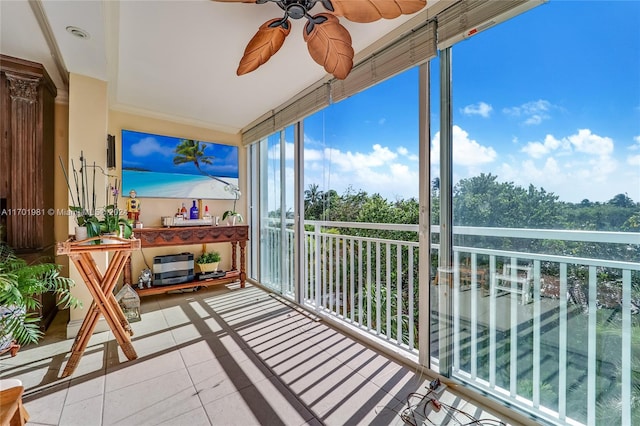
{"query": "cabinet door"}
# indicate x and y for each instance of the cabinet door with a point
(27, 160)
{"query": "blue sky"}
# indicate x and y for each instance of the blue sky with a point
(156, 152)
(551, 98)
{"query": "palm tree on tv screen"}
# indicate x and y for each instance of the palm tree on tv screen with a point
(190, 151)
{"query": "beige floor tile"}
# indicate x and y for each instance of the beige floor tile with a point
(266, 403)
(222, 376)
(356, 402)
(85, 387)
(45, 406)
(401, 382)
(151, 401)
(209, 348)
(196, 417)
(84, 412)
(145, 346)
(142, 370)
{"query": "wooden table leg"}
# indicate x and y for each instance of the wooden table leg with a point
(101, 289)
(243, 275)
(234, 263)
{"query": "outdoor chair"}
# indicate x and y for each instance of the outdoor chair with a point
(517, 280)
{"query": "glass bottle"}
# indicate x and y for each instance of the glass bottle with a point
(183, 210)
(206, 214)
(193, 212)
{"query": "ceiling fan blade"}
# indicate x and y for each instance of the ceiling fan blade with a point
(264, 44)
(236, 1)
(372, 10)
(329, 44)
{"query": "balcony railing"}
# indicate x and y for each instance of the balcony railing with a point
(545, 320)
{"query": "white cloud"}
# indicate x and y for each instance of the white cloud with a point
(481, 108)
(634, 160)
(466, 151)
(540, 149)
(584, 141)
(148, 146)
(312, 155)
(534, 112)
(636, 144)
(587, 142)
(534, 119)
(405, 153)
(378, 170)
(349, 161)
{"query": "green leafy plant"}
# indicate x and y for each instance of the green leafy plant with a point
(111, 222)
(20, 284)
(209, 257)
(83, 201)
(83, 198)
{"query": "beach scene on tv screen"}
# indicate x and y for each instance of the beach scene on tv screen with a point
(172, 167)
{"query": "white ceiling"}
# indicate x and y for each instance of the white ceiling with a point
(176, 59)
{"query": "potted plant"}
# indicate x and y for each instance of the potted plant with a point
(20, 284)
(84, 203)
(232, 216)
(114, 225)
(208, 261)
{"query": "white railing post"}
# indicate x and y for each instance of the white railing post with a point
(318, 264)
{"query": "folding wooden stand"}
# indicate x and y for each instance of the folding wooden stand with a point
(101, 289)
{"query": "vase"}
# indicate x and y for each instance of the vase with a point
(231, 220)
(7, 341)
(81, 233)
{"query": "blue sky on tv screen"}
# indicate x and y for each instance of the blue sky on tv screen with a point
(155, 153)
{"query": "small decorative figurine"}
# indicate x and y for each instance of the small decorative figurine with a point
(133, 206)
(145, 279)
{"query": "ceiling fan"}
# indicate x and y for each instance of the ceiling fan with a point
(329, 43)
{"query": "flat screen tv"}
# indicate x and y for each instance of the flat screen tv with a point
(171, 167)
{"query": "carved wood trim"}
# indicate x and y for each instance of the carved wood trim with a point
(23, 88)
(160, 237)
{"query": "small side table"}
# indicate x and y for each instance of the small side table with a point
(101, 289)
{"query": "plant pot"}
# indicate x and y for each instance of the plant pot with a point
(81, 233)
(208, 267)
(106, 240)
(7, 342)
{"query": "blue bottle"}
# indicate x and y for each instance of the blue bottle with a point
(193, 212)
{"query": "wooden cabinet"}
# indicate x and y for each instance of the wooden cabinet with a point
(27, 98)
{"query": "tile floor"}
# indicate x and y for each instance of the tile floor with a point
(223, 356)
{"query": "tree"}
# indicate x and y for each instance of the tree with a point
(313, 202)
(622, 200)
(190, 151)
(483, 201)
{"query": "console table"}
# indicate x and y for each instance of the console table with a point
(237, 235)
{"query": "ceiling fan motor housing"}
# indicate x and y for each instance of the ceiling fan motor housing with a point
(296, 9)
